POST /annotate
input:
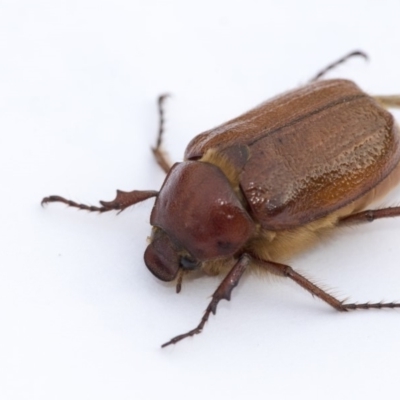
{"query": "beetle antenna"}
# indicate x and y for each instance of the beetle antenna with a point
(323, 72)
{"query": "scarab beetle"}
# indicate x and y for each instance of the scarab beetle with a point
(261, 187)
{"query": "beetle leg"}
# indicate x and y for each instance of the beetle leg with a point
(392, 101)
(289, 272)
(121, 201)
(223, 291)
(370, 215)
(336, 63)
(159, 154)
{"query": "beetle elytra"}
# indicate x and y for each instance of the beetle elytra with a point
(256, 190)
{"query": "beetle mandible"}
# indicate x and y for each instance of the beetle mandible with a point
(263, 186)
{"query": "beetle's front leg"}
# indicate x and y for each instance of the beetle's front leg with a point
(223, 291)
(121, 201)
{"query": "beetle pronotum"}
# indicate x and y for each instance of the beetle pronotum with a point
(261, 187)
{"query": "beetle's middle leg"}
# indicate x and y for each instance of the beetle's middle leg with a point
(289, 272)
(389, 101)
(159, 154)
(223, 291)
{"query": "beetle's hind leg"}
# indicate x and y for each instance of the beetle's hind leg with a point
(369, 216)
(333, 65)
(159, 154)
(289, 272)
(121, 201)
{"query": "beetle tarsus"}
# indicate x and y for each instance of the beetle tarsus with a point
(159, 154)
(70, 203)
(223, 292)
(323, 72)
(370, 306)
(196, 330)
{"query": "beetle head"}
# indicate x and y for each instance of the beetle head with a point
(164, 258)
(197, 217)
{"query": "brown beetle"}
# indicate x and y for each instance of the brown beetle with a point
(258, 189)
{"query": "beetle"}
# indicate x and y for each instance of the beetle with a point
(256, 190)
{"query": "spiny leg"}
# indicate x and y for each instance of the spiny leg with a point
(223, 291)
(289, 272)
(370, 215)
(121, 201)
(338, 62)
(159, 154)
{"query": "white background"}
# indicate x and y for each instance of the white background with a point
(81, 317)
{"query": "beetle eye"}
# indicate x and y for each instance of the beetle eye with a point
(189, 263)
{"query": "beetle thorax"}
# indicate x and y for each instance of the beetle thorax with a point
(198, 208)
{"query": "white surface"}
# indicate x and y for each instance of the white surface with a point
(81, 317)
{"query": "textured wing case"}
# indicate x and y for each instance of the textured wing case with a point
(312, 151)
